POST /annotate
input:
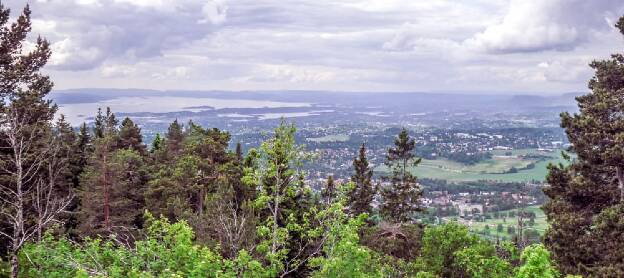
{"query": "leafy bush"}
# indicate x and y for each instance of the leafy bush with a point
(167, 251)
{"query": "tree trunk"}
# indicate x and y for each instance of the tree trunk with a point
(106, 193)
(620, 177)
(14, 264)
(200, 200)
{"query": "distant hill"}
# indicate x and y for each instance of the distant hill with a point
(399, 102)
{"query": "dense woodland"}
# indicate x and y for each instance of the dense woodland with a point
(97, 202)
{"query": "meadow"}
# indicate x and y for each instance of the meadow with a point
(497, 168)
(540, 224)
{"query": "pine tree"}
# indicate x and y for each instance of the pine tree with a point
(194, 164)
(175, 138)
(98, 125)
(402, 198)
(329, 192)
(114, 185)
(157, 143)
(587, 197)
(239, 152)
(111, 180)
(130, 137)
(362, 195)
(66, 177)
(84, 148)
(243, 193)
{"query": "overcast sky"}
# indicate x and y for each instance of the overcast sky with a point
(540, 46)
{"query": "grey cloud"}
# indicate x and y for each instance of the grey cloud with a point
(352, 44)
(85, 35)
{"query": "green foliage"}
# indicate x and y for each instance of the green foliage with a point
(343, 255)
(481, 260)
(401, 200)
(166, 251)
(439, 245)
(584, 195)
(114, 184)
(130, 137)
(536, 263)
(364, 191)
(289, 229)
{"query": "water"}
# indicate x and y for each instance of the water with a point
(77, 113)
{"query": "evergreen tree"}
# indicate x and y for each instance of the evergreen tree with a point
(329, 192)
(114, 187)
(175, 138)
(130, 137)
(287, 229)
(362, 195)
(402, 198)
(193, 166)
(239, 152)
(98, 125)
(28, 190)
(83, 148)
(68, 156)
(157, 143)
(110, 183)
(584, 196)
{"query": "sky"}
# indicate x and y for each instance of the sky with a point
(496, 46)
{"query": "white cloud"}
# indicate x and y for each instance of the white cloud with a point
(214, 12)
(538, 25)
(176, 73)
(116, 71)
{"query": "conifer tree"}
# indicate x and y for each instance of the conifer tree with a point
(239, 152)
(175, 138)
(362, 195)
(28, 199)
(130, 137)
(113, 193)
(83, 148)
(402, 198)
(287, 229)
(587, 197)
(157, 143)
(113, 182)
(98, 124)
(329, 192)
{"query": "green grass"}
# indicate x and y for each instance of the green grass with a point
(540, 223)
(330, 138)
(477, 227)
(491, 169)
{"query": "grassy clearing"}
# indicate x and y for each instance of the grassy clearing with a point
(477, 227)
(492, 169)
(540, 223)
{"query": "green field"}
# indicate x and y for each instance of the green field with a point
(330, 138)
(491, 169)
(540, 223)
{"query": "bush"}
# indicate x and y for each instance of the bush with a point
(166, 251)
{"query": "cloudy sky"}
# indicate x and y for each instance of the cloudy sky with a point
(540, 46)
